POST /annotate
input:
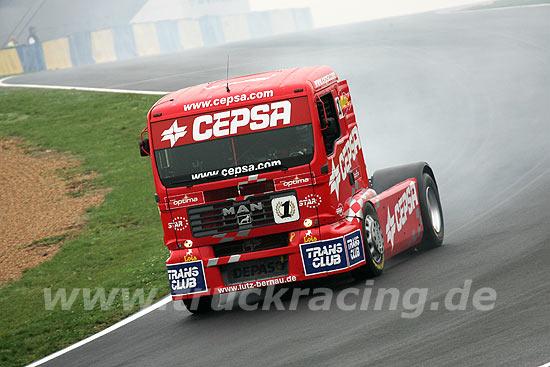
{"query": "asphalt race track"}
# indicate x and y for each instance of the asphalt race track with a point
(468, 92)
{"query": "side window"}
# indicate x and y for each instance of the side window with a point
(328, 117)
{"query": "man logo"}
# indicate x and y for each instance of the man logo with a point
(242, 209)
(245, 219)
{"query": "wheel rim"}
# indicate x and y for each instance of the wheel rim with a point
(374, 239)
(433, 209)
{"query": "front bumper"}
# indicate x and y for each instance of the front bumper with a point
(311, 253)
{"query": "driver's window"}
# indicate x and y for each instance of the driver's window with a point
(328, 117)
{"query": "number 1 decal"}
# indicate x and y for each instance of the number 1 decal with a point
(285, 209)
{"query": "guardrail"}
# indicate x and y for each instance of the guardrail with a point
(145, 39)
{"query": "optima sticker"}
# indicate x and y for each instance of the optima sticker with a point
(332, 255)
(303, 179)
(186, 278)
(193, 198)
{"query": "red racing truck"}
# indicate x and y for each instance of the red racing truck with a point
(260, 180)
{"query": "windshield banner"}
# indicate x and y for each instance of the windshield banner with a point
(233, 171)
(237, 121)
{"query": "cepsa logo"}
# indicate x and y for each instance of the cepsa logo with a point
(236, 121)
(229, 122)
(401, 211)
(343, 166)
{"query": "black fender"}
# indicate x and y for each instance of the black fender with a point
(385, 178)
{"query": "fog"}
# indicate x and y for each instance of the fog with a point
(61, 18)
(328, 13)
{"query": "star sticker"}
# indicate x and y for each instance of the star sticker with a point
(174, 133)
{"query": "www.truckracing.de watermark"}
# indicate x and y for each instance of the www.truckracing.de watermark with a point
(410, 303)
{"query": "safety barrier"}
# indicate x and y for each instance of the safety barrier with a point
(189, 31)
(282, 21)
(125, 44)
(57, 54)
(235, 27)
(145, 39)
(103, 46)
(9, 62)
(259, 24)
(80, 45)
(168, 36)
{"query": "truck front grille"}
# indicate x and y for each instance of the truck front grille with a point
(251, 245)
(232, 216)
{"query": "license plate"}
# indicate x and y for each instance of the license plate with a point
(251, 270)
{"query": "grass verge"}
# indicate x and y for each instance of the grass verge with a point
(121, 246)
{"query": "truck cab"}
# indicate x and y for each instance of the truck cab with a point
(260, 180)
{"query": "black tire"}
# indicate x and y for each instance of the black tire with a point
(373, 244)
(427, 189)
(202, 306)
(432, 214)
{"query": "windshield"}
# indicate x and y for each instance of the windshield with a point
(234, 156)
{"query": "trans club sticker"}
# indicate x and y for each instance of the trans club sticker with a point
(354, 246)
(186, 278)
(333, 255)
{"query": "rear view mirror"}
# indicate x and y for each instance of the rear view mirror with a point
(144, 148)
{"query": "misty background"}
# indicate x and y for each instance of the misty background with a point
(59, 18)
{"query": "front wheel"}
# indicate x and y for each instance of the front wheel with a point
(373, 242)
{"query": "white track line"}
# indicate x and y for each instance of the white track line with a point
(119, 324)
(546, 365)
(87, 89)
(130, 318)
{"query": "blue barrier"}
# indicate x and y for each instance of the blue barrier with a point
(125, 45)
(211, 29)
(32, 57)
(130, 41)
(168, 35)
(80, 45)
(302, 19)
(259, 24)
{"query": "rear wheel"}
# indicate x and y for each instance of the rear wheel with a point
(432, 214)
(200, 305)
(373, 242)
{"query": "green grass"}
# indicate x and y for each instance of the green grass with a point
(507, 3)
(121, 245)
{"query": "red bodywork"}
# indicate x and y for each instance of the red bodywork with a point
(331, 191)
